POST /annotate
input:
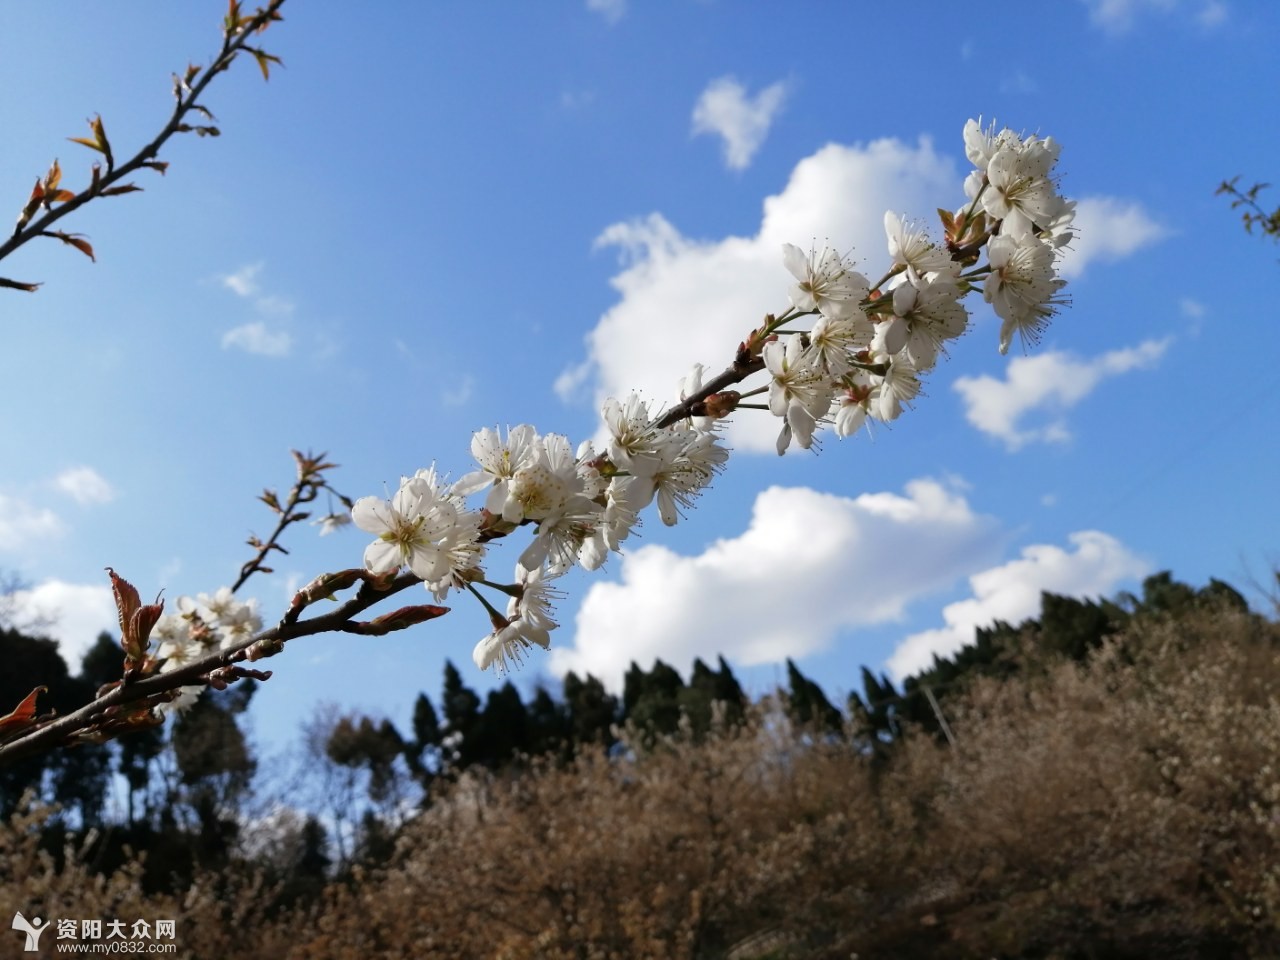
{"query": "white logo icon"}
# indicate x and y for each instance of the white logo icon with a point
(32, 928)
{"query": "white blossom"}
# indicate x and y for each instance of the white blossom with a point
(826, 282)
(413, 528)
(528, 622)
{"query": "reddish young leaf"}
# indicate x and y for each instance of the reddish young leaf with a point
(136, 618)
(53, 178)
(74, 239)
(24, 715)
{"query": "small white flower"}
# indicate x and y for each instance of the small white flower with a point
(1022, 287)
(210, 608)
(910, 246)
(850, 417)
(826, 282)
(833, 342)
(498, 463)
(796, 393)
(184, 701)
(681, 478)
(636, 441)
(981, 145)
(528, 622)
(412, 528)
(175, 644)
(331, 522)
(547, 483)
(240, 623)
(898, 386)
(1019, 190)
(929, 312)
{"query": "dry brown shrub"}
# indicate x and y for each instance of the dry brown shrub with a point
(1127, 808)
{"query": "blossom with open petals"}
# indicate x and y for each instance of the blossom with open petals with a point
(825, 282)
(412, 528)
(528, 622)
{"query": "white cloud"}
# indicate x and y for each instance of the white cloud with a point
(244, 282)
(808, 566)
(1119, 16)
(1212, 13)
(684, 300)
(743, 122)
(256, 338)
(1108, 229)
(74, 614)
(1195, 311)
(1053, 382)
(1019, 82)
(459, 393)
(21, 523)
(611, 10)
(274, 306)
(84, 485)
(1192, 309)
(1096, 566)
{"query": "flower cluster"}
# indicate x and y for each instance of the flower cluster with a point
(1013, 185)
(207, 623)
(581, 505)
(859, 355)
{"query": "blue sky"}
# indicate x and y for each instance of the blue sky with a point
(441, 217)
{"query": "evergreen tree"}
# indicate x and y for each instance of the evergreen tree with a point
(423, 753)
(216, 766)
(1073, 628)
(503, 729)
(711, 692)
(550, 728)
(653, 700)
(74, 778)
(461, 708)
(807, 705)
(592, 710)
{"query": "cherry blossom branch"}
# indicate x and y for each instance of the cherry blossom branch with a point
(861, 358)
(306, 488)
(238, 30)
(130, 704)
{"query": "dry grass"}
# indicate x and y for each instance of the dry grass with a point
(1126, 809)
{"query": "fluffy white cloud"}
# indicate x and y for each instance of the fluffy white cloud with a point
(84, 485)
(21, 523)
(1095, 567)
(684, 300)
(724, 109)
(1052, 382)
(611, 10)
(1118, 16)
(71, 613)
(808, 566)
(256, 338)
(1108, 229)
